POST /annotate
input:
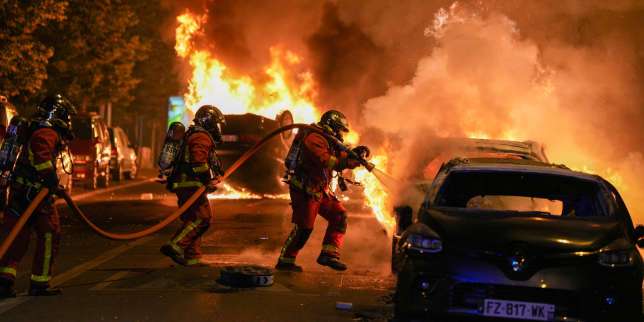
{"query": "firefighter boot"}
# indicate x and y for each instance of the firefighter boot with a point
(288, 267)
(43, 290)
(6, 289)
(332, 262)
(167, 250)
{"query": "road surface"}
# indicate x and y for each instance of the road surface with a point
(107, 280)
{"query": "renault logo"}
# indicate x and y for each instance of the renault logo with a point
(517, 261)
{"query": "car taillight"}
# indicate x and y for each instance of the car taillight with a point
(617, 258)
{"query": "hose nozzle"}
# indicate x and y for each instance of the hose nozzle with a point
(368, 165)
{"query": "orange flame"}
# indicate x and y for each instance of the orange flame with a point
(213, 83)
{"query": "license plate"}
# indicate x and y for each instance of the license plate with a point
(518, 310)
(230, 138)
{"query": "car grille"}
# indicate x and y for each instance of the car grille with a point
(472, 295)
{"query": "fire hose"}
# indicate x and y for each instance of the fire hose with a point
(169, 219)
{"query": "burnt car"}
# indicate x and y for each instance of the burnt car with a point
(440, 150)
(263, 171)
(518, 240)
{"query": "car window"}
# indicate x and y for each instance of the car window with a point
(113, 136)
(83, 129)
(102, 131)
(124, 139)
(516, 203)
(523, 192)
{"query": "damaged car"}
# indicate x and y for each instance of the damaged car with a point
(516, 239)
(263, 171)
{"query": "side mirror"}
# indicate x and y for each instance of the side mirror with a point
(404, 217)
(639, 236)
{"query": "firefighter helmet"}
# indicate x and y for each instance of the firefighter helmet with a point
(334, 122)
(210, 118)
(56, 111)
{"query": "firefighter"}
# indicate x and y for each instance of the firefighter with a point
(316, 158)
(196, 165)
(50, 131)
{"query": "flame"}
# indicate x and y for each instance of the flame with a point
(227, 192)
(376, 195)
(212, 82)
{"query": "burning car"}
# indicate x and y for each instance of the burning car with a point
(522, 240)
(262, 172)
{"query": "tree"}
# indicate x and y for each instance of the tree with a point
(158, 73)
(96, 52)
(23, 57)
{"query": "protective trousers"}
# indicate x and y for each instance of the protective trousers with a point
(305, 209)
(45, 222)
(196, 220)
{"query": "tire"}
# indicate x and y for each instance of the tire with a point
(284, 119)
(131, 175)
(92, 183)
(104, 180)
(116, 174)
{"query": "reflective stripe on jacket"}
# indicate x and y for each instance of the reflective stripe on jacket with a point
(194, 169)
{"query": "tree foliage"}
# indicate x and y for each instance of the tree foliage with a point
(96, 51)
(23, 57)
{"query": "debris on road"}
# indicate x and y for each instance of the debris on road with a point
(246, 276)
(344, 306)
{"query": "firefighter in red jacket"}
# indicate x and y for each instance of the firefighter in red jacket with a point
(36, 168)
(317, 158)
(197, 165)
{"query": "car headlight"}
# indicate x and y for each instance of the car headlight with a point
(617, 258)
(423, 244)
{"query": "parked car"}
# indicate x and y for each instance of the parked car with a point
(64, 170)
(263, 171)
(520, 240)
(7, 112)
(123, 161)
(92, 150)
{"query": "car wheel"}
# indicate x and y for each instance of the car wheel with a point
(131, 175)
(92, 183)
(117, 175)
(104, 180)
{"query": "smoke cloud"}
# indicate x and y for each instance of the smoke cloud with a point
(484, 79)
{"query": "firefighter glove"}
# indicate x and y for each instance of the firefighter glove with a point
(362, 151)
(212, 185)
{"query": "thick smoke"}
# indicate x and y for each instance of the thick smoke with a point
(484, 78)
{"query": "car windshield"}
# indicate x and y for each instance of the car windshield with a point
(82, 127)
(522, 192)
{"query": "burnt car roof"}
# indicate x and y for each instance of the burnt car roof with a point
(499, 164)
(530, 150)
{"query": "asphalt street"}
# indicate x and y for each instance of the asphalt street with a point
(106, 280)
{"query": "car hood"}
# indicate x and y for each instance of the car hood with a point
(493, 230)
